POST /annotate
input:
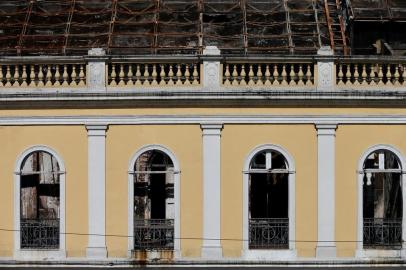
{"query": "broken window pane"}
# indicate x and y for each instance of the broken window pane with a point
(382, 200)
(154, 205)
(40, 201)
(268, 201)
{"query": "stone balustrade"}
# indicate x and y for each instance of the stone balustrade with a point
(370, 75)
(33, 75)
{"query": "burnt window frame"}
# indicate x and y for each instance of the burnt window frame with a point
(176, 191)
(290, 251)
(362, 251)
(19, 252)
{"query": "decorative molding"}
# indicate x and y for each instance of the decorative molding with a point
(21, 254)
(258, 254)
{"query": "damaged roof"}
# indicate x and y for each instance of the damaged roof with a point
(131, 27)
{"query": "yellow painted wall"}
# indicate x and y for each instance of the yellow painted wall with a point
(185, 143)
(351, 143)
(236, 143)
(70, 142)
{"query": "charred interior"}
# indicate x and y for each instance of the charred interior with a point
(154, 206)
(268, 201)
(382, 201)
(39, 201)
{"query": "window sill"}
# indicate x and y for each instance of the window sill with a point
(269, 254)
(35, 254)
(379, 253)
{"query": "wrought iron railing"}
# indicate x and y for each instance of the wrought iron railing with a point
(382, 233)
(39, 233)
(267, 233)
(153, 234)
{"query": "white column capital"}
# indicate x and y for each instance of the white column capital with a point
(96, 130)
(326, 129)
(211, 129)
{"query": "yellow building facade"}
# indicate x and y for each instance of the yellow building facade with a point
(212, 131)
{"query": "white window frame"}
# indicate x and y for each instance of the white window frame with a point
(269, 254)
(29, 254)
(373, 253)
(176, 172)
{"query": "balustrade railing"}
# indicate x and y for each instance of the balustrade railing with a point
(268, 233)
(382, 233)
(42, 75)
(153, 234)
(270, 75)
(39, 233)
(372, 75)
(153, 74)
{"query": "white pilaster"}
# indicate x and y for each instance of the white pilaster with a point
(325, 69)
(211, 69)
(326, 247)
(211, 248)
(96, 70)
(96, 135)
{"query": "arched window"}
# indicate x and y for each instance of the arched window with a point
(154, 205)
(382, 200)
(40, 210)
(268, 201)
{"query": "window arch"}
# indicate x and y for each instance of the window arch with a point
(269, 195)
(381, 189)
(40, 201)
(153, 200)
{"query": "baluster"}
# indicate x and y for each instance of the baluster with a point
(403, 74)
(113, 75)
(396, 76)
(121, 75)
(65, 76)
(138, 75)
(162, 75)
(292, 75)
(195, 75)
(380, 76)
(154, 75)
(284, 75)
(57, 76)
(372, 76)
(356, 75)
(260, 80)
(40, 77)
(309, 81)
(81, 76)
(227, 74)
(24, 76)
(251, 75)
(235, 81)
(243, 74)
(187, 75)
(8, 77)
(275, 75)
(170, 75)
(364, 81)
(300, 75)
(73, 76)
(48, 76)
(146, 75)
(178, 75)
(130, 75)
(267, 75)
(32, 76)
(348, 75)
(388, 75)
(340, 75)
(16, 76)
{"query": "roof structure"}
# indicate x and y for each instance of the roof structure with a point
(131, 27)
